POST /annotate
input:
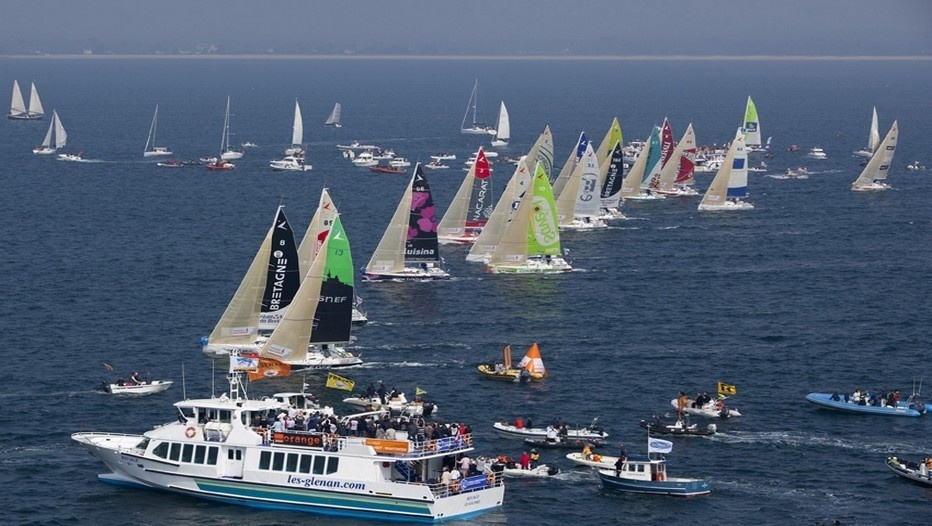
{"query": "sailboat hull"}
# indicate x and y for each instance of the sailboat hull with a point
(408, 274)
(556, 265)
(726, 206)
(25, 117)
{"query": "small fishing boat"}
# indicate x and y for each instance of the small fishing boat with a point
(650, 475)
(920, 472)
(817, 153)
(128, 387)
(564, 443)
(170, 164)
(381, 168)
(510, 468)
(678, 428)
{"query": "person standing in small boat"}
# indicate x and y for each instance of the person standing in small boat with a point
(134, 378)
(535, 458)
(681, 403)
(623, 454)
(525, 460)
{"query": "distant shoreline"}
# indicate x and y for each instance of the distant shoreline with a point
(595, 58)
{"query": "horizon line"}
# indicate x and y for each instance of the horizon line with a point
(616, 58)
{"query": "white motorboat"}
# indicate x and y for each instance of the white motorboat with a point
(711, 409)
(817, 153)
(365, 159)
(511, 469)
(592, 431)
(399, 162)
(397, 404)
(291, 163)
(131, 388)
(443, 157)
(436, 165)
(71, 156)
(593, 460)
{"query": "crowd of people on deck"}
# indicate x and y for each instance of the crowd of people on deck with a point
(874, 397)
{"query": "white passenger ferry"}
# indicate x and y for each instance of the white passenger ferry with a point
(214, 452)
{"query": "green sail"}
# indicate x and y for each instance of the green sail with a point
(543, 234)
(334, 315)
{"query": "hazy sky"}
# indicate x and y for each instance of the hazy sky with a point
(463, 27)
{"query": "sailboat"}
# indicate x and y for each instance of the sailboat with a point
(677, 174)
(631, 185)
(567, 170)
(151, 149)
(729, 188)
(530, 243)
(294, 160)
(752, 134)
(530, 368)
(264, 294)
(471, 207)
(503, 129)
(227, 153)
(409, 249)
(873, 138)
(611, 175)
(60, 137)
(578, 205)
(540, 154)
(874, 175)
(18, 110)
(476, 128)
(334, 118)
(661, 150)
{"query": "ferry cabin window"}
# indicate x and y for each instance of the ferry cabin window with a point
(305, 466)
(186, 452)
(332, 465)
(212, 456)
(291, 465)
(199, 454)
(161, 450)
(175, 452)
(319, 462)
(265, 459)
(278, 462)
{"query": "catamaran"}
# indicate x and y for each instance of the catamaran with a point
(60, 137)
(503, 129)
(409, 249)
(751, 126)
(873, 138)
(335, 114)
(151, 149)
(729, 188)
(874, 175)
(476, 128)
(217, 451)
(18, 110)
(530, 243)
(578, 205)
(471, 207)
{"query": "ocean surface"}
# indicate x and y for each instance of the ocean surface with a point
(816, 289)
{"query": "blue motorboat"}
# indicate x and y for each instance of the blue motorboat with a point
(650, 476)
(911, 407)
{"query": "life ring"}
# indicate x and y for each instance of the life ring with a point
(491, 478)
(719, 405)
(190, 432)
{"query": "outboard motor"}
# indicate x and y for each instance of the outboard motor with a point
(552, 470)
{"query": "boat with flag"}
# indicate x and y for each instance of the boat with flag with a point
(217, 449)
(409, 249)
(471, 207)
(704, 405)
(650, 475)
(531, 367)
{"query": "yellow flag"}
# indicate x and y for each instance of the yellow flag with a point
(418, 391)
(338, 382)
(727, 389)
(108, 366)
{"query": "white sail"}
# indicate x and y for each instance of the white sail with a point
(873, 141)
(239, 324)
(579, 200)
(729, 187)
(297, 129)
(485, 243)
(334, 118)
(631, 187)
(47, 142)
(389, 255)
(512, 248)
(35, 105)
(290, 339)
(316, 232)
(17, 106)
(877, 169)
(468, 212)
(578, 148)
(61, 137)
(672, 167)
(503, 129)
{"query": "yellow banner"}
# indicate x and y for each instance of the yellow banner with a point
(727, 389)
(338, 382)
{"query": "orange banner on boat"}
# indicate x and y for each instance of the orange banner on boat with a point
(269, 368)
(388, 446)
